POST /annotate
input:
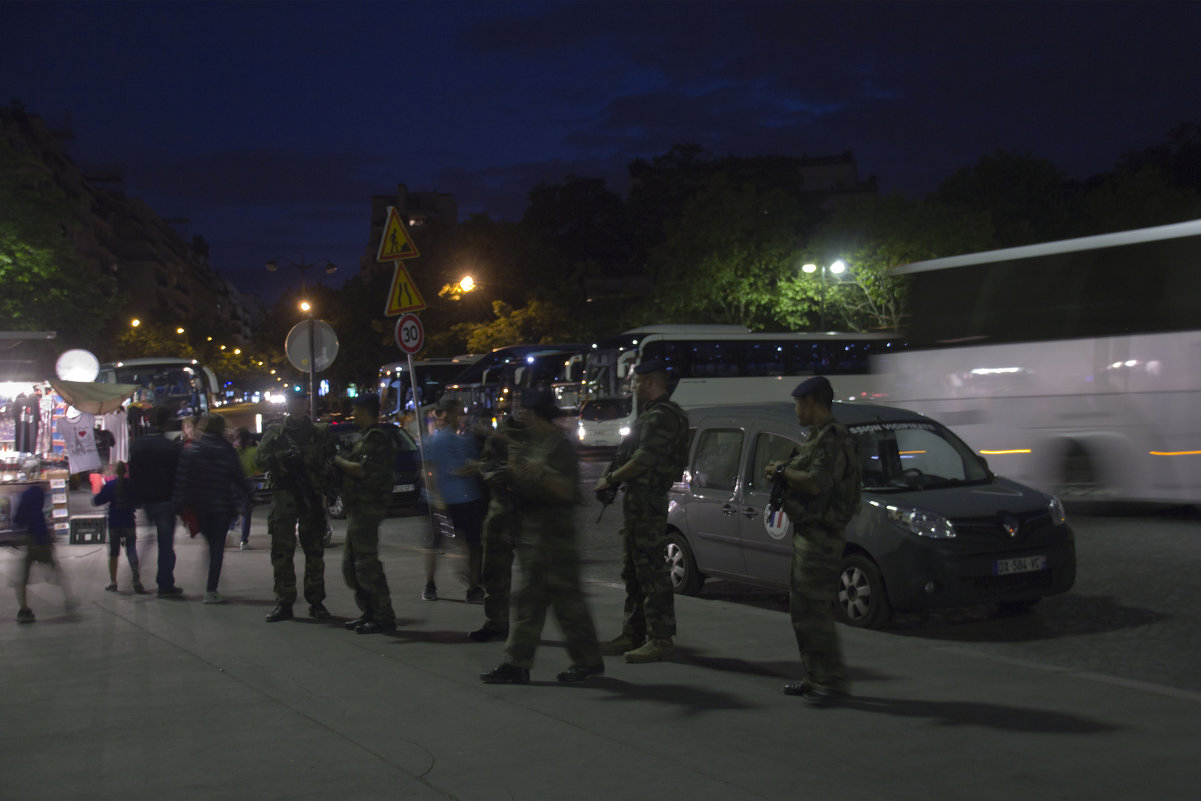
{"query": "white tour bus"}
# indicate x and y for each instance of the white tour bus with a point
(707, 368)
(1071, 365)
(183, 385)
(395, 387)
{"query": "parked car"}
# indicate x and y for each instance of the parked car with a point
(406, 485)
(603, 422)
(935, 527)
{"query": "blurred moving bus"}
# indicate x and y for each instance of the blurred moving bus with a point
(721, 365)
(1072, 365)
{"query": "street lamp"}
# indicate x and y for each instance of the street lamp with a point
(837, 268)
(457, 290)
(306, 307)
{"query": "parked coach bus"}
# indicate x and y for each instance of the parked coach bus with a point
(183, 385)
(1072, 365)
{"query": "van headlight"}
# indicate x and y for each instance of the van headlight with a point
(1055, 507)
(624, 431)
(579, 430)
(919, 521)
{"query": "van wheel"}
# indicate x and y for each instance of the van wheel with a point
(685, 578)
(862, 601)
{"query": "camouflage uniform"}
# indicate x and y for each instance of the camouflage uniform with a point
(550, 563)
(659, 441)
(296, 506)
(366, 505)
(831, 460)
(500, 526)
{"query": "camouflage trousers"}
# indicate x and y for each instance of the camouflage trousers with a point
(285, 523)
(550, 568)
(650, 609)
(816, 556)
(496, 570)
(361, 567)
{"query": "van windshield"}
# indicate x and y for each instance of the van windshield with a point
(606, 409)
(917, 454)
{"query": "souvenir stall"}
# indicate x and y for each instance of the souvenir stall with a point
(27, 453)
(48, 433)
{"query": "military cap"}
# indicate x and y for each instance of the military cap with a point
(811, 385)
(652, 366)
(540, 401)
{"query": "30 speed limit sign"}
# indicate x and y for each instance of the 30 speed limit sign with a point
(410, 336)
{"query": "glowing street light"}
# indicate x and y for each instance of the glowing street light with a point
(838, 267)
(457, 290)
(134, 323)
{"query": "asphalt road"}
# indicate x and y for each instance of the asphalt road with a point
(1134, 612)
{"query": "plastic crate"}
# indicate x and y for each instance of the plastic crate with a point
(86, 530)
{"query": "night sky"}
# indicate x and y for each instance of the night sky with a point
(270, 125)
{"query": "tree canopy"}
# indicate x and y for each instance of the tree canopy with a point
(47, 286)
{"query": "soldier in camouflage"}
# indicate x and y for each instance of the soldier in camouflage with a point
(821, 495)
(545, 478)
(501, 525)
(368, 474)
(295, 454)
(649, 461)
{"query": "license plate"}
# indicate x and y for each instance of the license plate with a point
(403, 487)
(1023, 564)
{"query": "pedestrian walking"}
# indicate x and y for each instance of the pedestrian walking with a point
(31, 517)
(821, 494)
(122, 527)
(368, 472)
(651, 458)
(545, 478)
(296, 454)
(454, 490)
(153, 460)
(208, 481)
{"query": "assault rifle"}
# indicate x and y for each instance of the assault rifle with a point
(297, 475)
(606, 497)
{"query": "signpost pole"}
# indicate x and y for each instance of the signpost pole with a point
(417, 411)
(312, 371)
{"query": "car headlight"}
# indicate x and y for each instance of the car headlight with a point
(579, 430)
(919, 521)
(1055, 507)
(624, 431)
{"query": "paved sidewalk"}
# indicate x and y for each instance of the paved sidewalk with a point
(132, 698)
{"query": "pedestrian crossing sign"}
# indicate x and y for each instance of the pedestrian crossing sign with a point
(395, 243)
(403, 297)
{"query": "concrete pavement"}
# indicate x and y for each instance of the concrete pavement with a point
(132, 697)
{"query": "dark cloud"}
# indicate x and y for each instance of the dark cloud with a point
(261, 176)
(270, 125)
